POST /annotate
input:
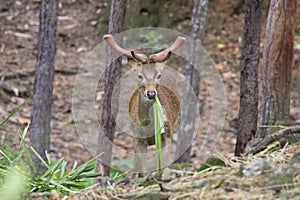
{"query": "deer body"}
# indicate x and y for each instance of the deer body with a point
(153, 80)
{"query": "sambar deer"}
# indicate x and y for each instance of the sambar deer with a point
(153, 81)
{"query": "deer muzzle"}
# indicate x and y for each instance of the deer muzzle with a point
(151, 94)
(150, 91)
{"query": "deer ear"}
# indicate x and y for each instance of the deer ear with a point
(124, 60)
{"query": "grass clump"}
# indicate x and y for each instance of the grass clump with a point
(19, 177)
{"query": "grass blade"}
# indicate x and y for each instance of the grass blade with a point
(63, 169)
(26, 150)
(75, 165)
(53, 168)
(48, 156)
(39, 156)
(13, 113)
(8, 150)
(3, 153)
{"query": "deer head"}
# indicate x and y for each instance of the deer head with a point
(147, 68)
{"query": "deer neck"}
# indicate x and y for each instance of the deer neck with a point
(144, 107)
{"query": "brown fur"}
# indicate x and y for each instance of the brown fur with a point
(140, 114)
(152, 81)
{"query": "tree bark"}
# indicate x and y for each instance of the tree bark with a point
(248, 112)
(112, 75)
(277, 66)
(42, 94)
(193, 81)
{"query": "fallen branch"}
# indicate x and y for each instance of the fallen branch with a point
(272, 138)
(66, 72)
(13, 75)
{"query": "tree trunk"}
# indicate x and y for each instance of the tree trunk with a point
(42, 94)
(277, 66)
(193, 79)
(249, 85)
(112, 75)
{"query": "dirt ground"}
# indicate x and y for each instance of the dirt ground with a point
(77, 35)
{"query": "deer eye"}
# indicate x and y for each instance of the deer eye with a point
(158, 76)
(140, 77)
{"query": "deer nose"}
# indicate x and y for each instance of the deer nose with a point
(151, 94)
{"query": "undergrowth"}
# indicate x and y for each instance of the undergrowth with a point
(19, 177)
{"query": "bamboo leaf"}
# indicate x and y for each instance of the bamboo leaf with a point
(159, 121)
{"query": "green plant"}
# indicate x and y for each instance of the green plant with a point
(212, 162)
(159, 121)
(55, 177)
(116, 173)
(18, 175)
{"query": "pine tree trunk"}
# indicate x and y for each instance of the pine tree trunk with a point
(192, 75)
(112, 75)
(277, 66)
(42, 94)
(248, 112)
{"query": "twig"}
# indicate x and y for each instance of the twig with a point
(21, 35)
(272, 138)
(66, 72)
(13, 75)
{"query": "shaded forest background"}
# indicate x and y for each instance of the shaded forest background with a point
(81, 25)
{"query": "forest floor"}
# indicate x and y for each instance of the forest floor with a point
(78, 34)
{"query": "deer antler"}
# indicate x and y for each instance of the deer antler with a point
(164, 55)
(129, 54)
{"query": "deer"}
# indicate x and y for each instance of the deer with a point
(152, 81)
